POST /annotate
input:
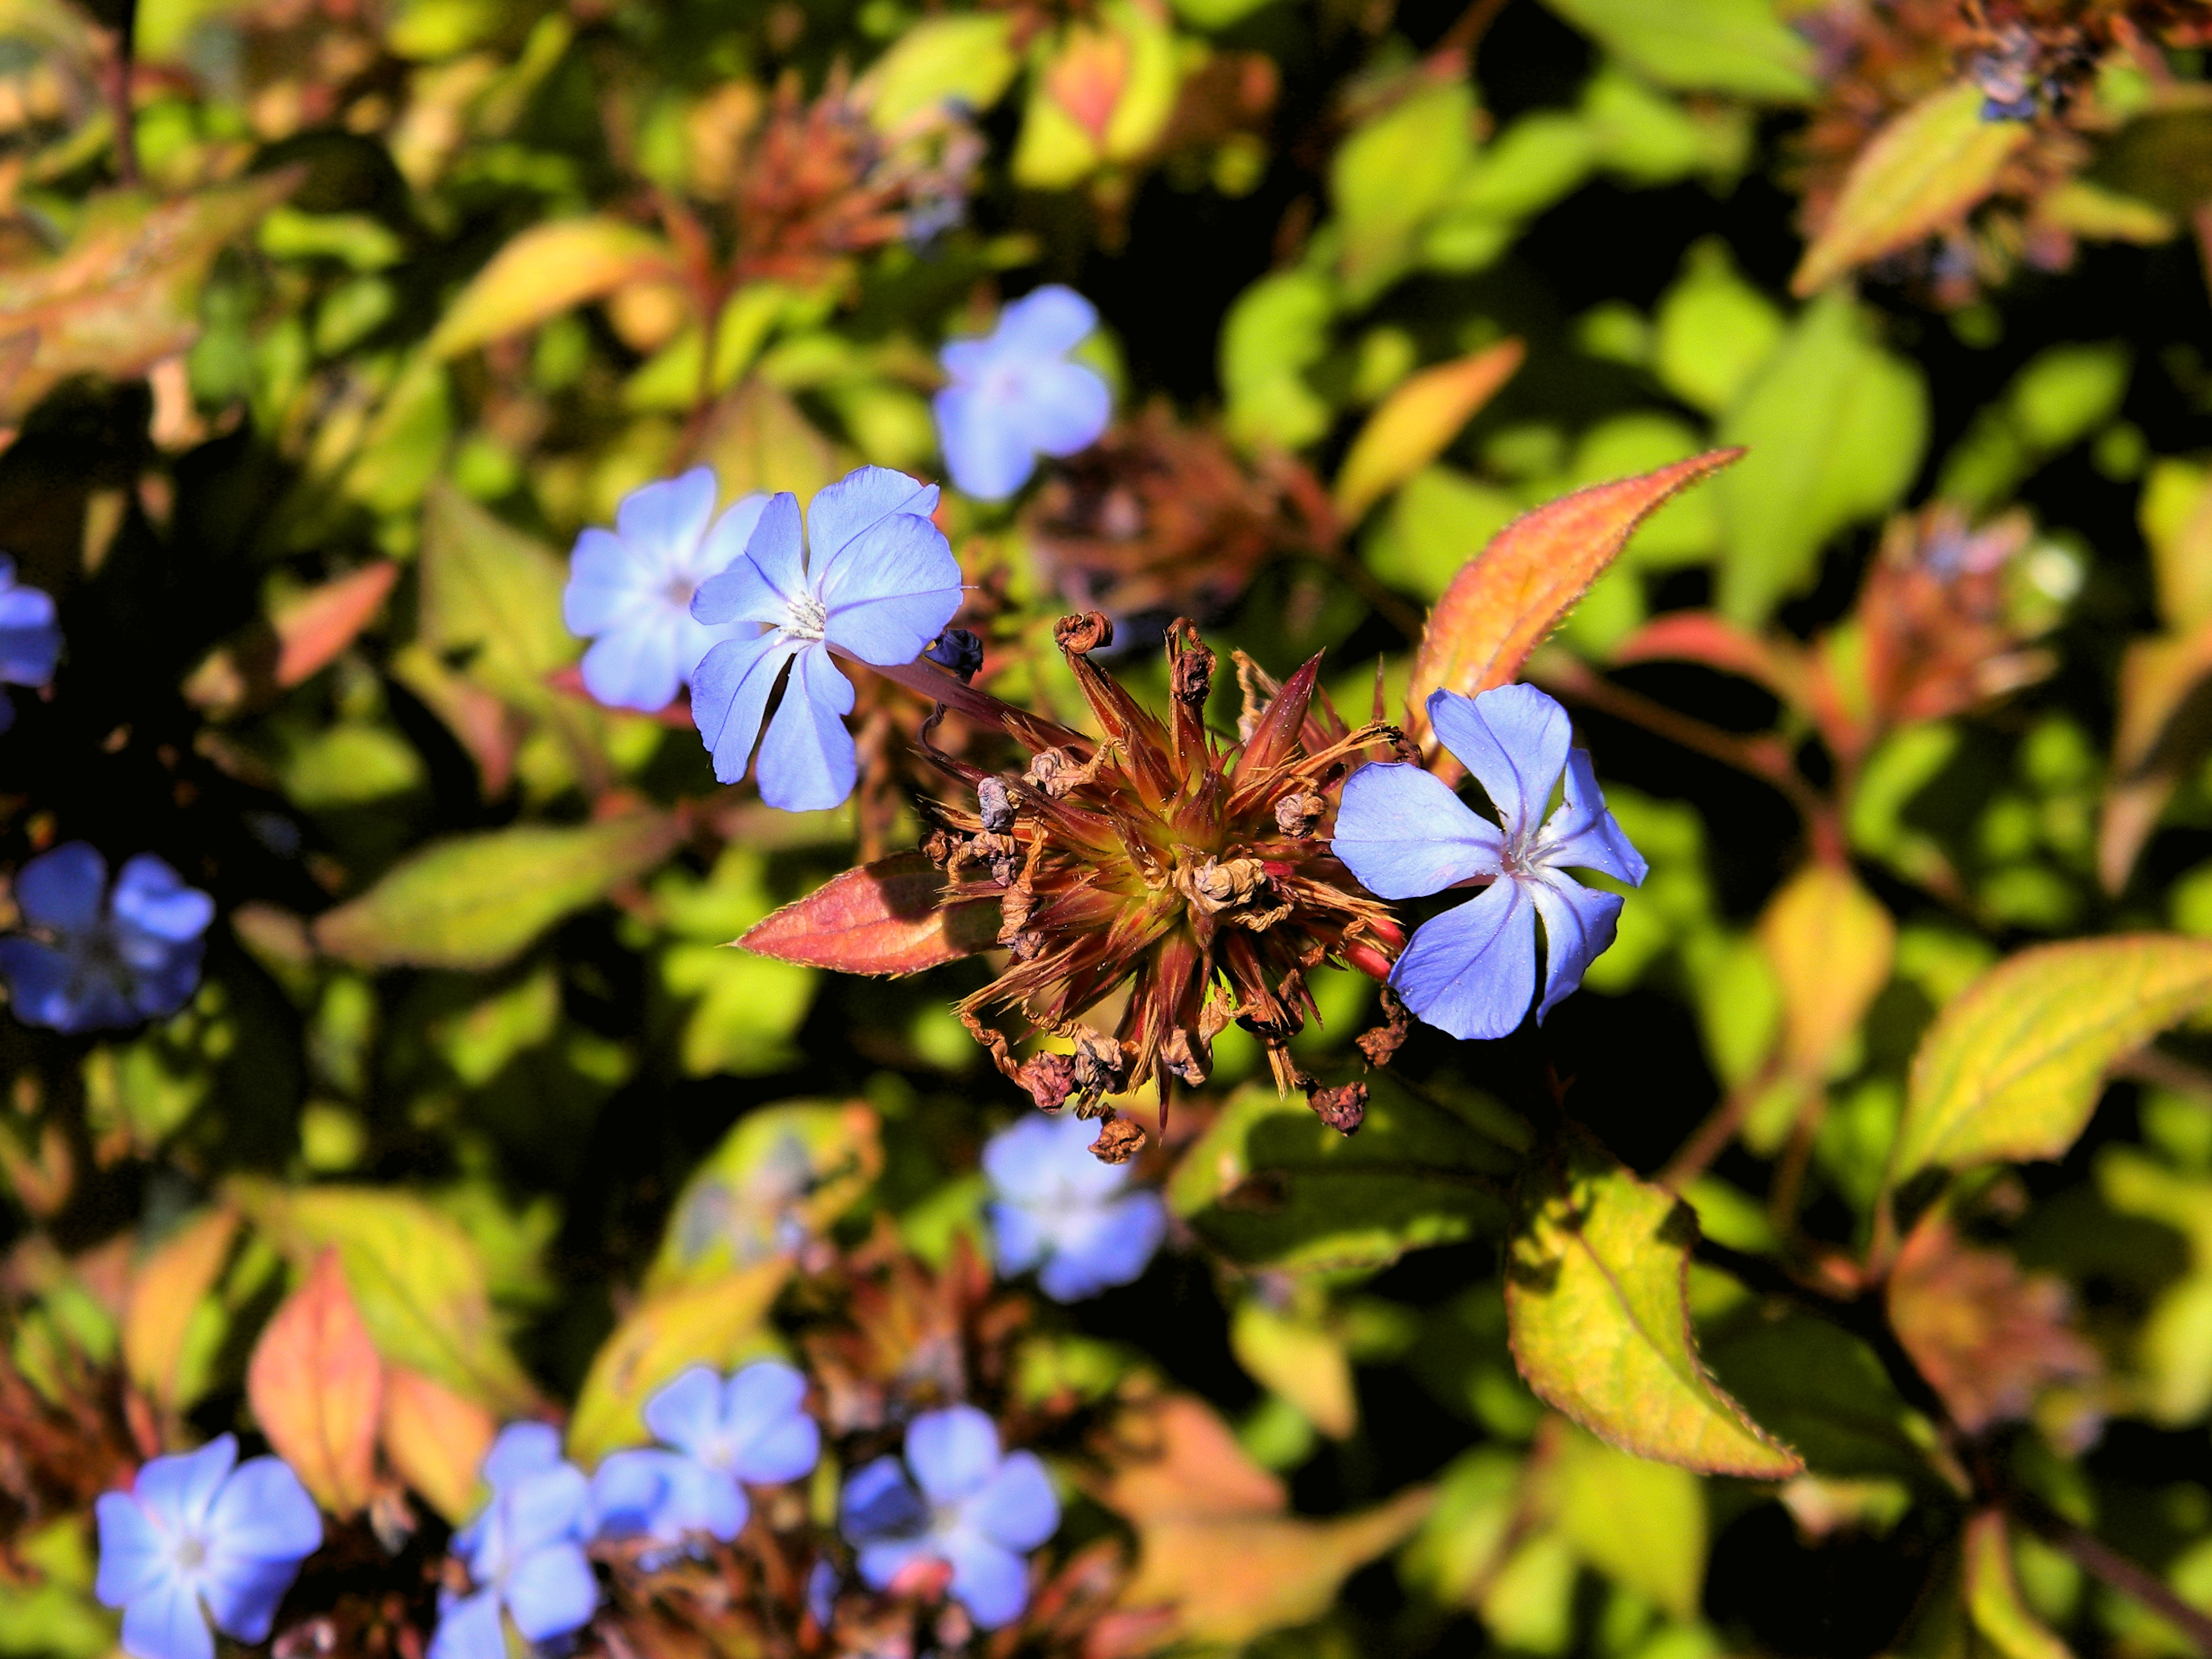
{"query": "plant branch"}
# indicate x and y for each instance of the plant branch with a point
(118, 95)
(2110, 1567)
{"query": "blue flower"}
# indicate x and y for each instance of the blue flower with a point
(1053, 1203)
(526, 1551)
(30, 642)
(94, 967)
(630, 588)
(871, 576)
(203, 1537)
(1471, 970)
(978, 1510)
(1014, 396)
(752, 1427)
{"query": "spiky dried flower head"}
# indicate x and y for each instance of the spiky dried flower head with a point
(1159, 861)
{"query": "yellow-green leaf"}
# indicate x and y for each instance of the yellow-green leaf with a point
(1507, 598)
(1993, 1598)
(783, 1173)
(1640, 1523)
(1302, 1362)
(715, 1322)
(1925, 169)
(414, 1276)
(1416, 421)
(546, 270)
(964, 56)
(473, 901)
(165, 1291)
(1596, 1307)
(2012, 1069)
(1829, 942)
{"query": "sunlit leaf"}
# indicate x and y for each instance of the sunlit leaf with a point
(953, 57)
(1638, 1522)
(1993, 1598)
(436, 1440)
(2013, 1068)
(1516, 591)
(417, 1280)
(1595, 1296)
(1302, 1362)
(1831, 943)
(317, 1388)
(1727, 46)
(715, 1321)
(783, 1174)
(1924, 171)
(165, 1291)
(304, 634)
(476, 901)
(1416, 422)
(883, 918)
(548, 269)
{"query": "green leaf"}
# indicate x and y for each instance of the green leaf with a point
(1822, 1390)
(1278, 329)
(1392, 175)
(963, 57)
(548, 269)
(1993, 1598)
(1639, 1522)
(1719, 45)
(1596, 1304)
(492, 595)
(1270, 1184)
(1715, 330)
(783, 1174)
(2013, 1068)
(1420, 541)
(474, 901)
(416, 1279)
(1835, 426)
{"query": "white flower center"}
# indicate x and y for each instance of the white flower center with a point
(807, 618)
(191, 1554)
(678, 592)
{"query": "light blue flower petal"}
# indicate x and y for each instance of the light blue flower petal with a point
(724, 543)
(1016, 1240)
(1405, 834)
(1016, 1506)
(1471, 970)
(702, 1501)
(167, 1623)
(1514, 738)
(774, 1437)
(952, 1452)
(891, 591)
(986, 450)
(730, 691)
(628, 1489)
(879, 1502)
(1114, 1246)
(552, 1591)
(178, 1492)
(62, 889)
(545, 1507)
(133, 1556)
(1065, 406)
(881, 1562)
(860, 500)
(1578, 928)
(522, 1449)
(764, 585)
(30, 643)
(634, 667)
(992, 1582)
(469, 1629)
(688, 1412)
(153, 898)
(40, 983)
(1582, 836)
(807, 761)
(1046, 322)
(604, 589)
(242, 1594)
(263, 1513)
(664, 520)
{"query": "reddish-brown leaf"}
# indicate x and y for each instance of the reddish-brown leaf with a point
(1707, 637)
(888, 917)
(436, 1440)
(1505, 599)
(300, 636)
(317, 1387)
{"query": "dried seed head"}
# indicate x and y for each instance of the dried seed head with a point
(1119, 1140)
(994, 802)
(1297, 812)
(1344, 1108)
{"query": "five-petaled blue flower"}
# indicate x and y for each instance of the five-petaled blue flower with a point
(978, 1510)
(752, 1427)
(630, 588)
(1471, 970)
(96, 966)
(871, 576)
(1014, 396)
(526, 1551)
(1052, 1202)
(202, 1537)
(30, 642)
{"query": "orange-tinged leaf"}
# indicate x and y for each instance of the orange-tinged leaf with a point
(883, 918)
(436, 1440)
(2013, 1067)
(303, 635)
(2157, 738)
(1417, 420)
(1505, 599)
(164, 1293)
(1597, 1311)
(1176, 1456)
(1924, 170)
(1831, 943)
(546, 270)
(317, 1388)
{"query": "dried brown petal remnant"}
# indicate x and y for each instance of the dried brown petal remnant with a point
(1158, 520)
(1940, 616)
(1158, 860)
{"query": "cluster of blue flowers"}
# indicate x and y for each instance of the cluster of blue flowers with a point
(1054, 1207)
(1471, 970)
(97, 959)
(731, 606)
